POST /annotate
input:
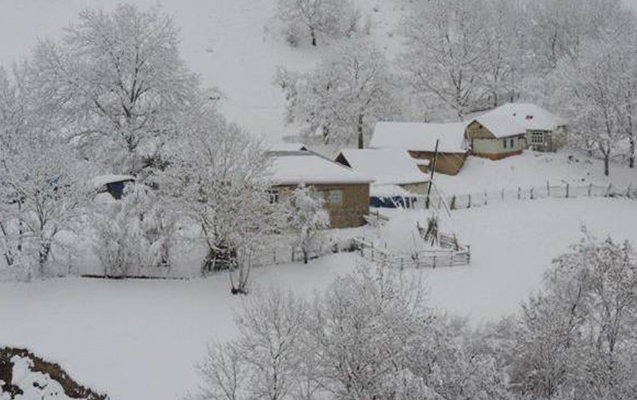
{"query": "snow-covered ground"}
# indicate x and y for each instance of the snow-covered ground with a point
(531, 169)
(140, 339)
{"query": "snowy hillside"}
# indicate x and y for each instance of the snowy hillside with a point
(233, 45)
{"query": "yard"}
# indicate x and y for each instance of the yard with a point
(140, 339)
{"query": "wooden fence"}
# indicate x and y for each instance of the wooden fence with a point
(565, 191)
(451, 254)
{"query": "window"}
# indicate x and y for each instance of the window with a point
(537, 137)
(273, 196)
(504, 143)
(335, 197)
(512, 143)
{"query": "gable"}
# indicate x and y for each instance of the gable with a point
(476, 130)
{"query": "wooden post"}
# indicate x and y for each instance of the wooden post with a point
(434, 261)
(519, 193)
(486, 199)
(567, 187)
(531, 193)
(610, 187)
(401, 263)
(431, 177)
(548, 189)
(372, 251)
(453, 202)
(469, 200)
(502, 194)
(590, 189)
(274, 256)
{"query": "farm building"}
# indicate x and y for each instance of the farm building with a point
(345, 191)
(419, 139)
(112, 184)
(397, 178)
(495, 136)
(545, 131)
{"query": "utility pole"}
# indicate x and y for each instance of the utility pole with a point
(431, 176)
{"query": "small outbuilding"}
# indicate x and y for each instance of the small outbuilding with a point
(495, 136)
(397, 179)
(346, 192)
(544, 130)
(112, 184)
(419, 139)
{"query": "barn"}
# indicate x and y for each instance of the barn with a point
(346, 192)
(419, 139)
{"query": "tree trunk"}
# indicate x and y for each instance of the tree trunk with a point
(631, 158)
(606, 164)
(313, 36)
(43, 256)
(361, 142)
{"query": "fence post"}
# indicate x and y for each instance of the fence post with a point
(567, 189)
(372, 251)
(486, 199)
(274, 256)
(610, 186)
(434, 262)
(519, 193)
(531, 193)
(548, 189)
(628, 192)
(401, 263)
(502, 194)
(453, 202)
(469, 200)
(590, 189)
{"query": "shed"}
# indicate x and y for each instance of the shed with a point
(346, 192)
(495, 136)
(112, 184)
(419, 139)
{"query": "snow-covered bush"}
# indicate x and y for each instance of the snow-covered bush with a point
(133, 234)
(307, 218)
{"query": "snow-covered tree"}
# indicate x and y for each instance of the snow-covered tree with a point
(598, 87)
(218, 179)
(263, 361)
(446, 44)
(577, 337)
(118, 84)
(344, 96)
(332, 18)
(41, 181)
(307, 217)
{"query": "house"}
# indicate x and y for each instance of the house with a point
(112, 184)
(346, 192)
(545, 131)
(397, 178)
(419, 139)
(495, 136)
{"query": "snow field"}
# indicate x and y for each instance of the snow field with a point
(140, 339)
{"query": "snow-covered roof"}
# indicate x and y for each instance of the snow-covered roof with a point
(419, 136)
(102, 180)
(310, 168)
(387, 166)
(531, 116)
(387, 191)
(280, 147)
(501, 125)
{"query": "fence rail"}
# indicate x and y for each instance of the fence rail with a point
(566, 191)
(453, 256)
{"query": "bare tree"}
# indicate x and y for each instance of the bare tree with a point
(307, 218)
